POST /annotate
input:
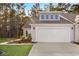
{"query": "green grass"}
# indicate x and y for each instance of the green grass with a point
(6, 39)
(16, 50)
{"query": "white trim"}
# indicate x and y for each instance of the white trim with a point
(50, 24)
(49, 17)
(55, 25)
(34, 34)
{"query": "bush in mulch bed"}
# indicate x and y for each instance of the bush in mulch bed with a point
(23, 40)
(76, 43)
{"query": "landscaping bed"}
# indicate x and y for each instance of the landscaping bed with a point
(18, 41)
(22, 40)
(15, 50)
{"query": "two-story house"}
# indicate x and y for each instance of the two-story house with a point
(53, 27)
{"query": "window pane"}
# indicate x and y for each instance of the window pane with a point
(51, 16)
(56, 16)
(47, 16)
(42, 16)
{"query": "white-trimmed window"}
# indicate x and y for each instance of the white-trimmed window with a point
(42, 17)
(47, 16)
(56, 16)
(51, 16)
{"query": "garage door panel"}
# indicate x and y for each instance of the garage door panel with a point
(52, 34)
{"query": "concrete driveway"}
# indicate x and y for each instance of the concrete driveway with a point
(54, 49)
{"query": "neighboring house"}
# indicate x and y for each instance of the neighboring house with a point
(53, 27)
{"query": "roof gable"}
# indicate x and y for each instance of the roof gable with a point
(68, 17)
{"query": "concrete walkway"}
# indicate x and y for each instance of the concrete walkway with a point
(54, 49)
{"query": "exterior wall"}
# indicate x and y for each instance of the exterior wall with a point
(50, 25)
(72, 34)
(33, 33)
(24, 32)
(29, 31)
(77, 33)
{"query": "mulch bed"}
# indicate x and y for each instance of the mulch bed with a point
(76, 43)
(21, 41)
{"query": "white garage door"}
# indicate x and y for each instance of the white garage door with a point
(53, 34)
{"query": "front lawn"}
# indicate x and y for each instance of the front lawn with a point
(16, 50)
(6, 39)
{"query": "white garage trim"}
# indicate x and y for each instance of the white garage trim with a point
(53, 26)
(57, 25)
(53, 34)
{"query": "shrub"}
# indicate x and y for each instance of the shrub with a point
(29, 37)
(22, 38)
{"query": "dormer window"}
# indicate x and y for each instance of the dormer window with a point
(42, 16)
(47, 16)
(51, 16)
(56, 16)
